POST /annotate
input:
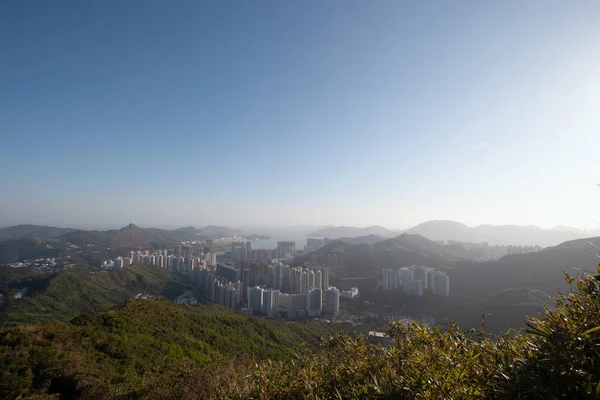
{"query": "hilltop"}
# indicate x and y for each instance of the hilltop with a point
(27, 231)
(131, 236)
(366, 258)
(69, 293)
(368, 239)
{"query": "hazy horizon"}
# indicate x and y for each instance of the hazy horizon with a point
(261, 229)
(264, 114)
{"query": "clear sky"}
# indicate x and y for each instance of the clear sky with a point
(299, 112)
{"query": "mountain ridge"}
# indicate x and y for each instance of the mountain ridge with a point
(504, 235)
(24, 231)
(335, 232)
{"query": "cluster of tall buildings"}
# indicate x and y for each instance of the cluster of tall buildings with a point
(278, 275)
(182, 259)
(484, 252)
(285, 250)
(245, 250)
(314, 244)
(275, 303)
(218, 289)
(274, 290)
(414, 280)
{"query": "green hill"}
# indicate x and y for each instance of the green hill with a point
(154, 349)
(30, 248)
(69, 293)
(29, 231)
(140, 349)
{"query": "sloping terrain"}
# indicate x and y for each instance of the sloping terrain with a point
(29, 231)
(133, 349)
(69, 293)
(367, 259)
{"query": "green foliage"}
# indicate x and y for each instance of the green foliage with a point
(563, 358)
(557, 357)
(70, 293)
(130, 349)
(155, 349)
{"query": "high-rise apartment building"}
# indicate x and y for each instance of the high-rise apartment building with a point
(304, 288)
(297, 283)
(286, 249)
(440, 283)
(311, 279)
(413, 287)
(270, 302)
(331, 305)
(315, 302)
(318, 279)
(255, 299)
(278, 272)
(324, 278)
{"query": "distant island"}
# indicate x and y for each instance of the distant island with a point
(256, 236)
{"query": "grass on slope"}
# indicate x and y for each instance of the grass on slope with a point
(71, 293)
(127, 351)
(157, 350)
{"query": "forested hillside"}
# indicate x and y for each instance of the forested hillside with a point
(141, 349)
(64, 295)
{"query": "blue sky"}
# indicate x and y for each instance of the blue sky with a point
(312, 112)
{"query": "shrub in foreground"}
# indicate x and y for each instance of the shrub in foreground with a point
(557, 357)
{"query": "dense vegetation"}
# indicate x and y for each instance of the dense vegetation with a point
(558, 356)
(139, 349)
(154, 349)
(67, 294)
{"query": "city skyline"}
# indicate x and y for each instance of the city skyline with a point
(342, 113)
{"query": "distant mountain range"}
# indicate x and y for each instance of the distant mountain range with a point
(126, 235)
(502, 235)
(499, 234)
(335, 232)
(30, 241)
(27, 231)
